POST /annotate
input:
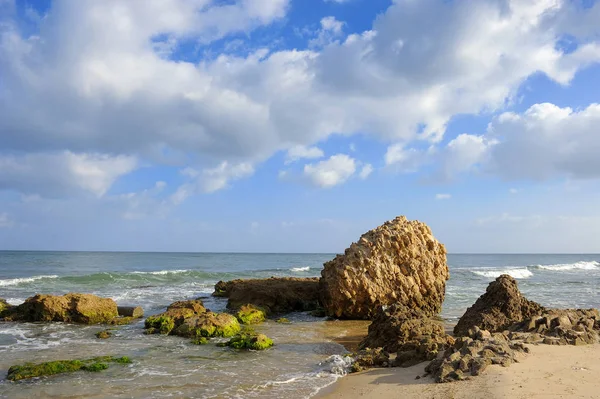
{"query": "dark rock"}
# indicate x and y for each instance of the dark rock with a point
(369, 358)
(398, 262)
(501, 307)
(274, 295)
(130, 311)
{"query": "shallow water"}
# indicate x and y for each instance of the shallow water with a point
(305, 358)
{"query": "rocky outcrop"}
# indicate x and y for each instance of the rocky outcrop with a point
(4, 308)
(398, 262)
(274, 295)
(191, 319)
(70, 308)
(501, 307)
(472, 355)
(396, 325)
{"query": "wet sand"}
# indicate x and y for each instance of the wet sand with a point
(547, 372)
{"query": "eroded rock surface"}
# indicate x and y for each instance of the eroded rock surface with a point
(70, 308)
(398, 262)
(274, 295)
(501, 307)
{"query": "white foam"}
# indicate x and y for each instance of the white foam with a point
(17, 281)
(163, 272)
(516, 273)
(570, 266)
(300, 269)
(337, 364)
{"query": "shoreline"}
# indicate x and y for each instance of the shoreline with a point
(548, 371)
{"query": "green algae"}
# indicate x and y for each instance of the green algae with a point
(122, 320)
(32, 370)
(250, 341)
(250, 314)
(104, 334)
(200, 341)
(283, 320)
(163, 324)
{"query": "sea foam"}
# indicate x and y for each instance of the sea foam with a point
(23, 280)
(300, 269)
(516, 273)
(593, 265)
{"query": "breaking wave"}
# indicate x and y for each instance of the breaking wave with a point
(23, 280)
(516, 273)
(593, 265)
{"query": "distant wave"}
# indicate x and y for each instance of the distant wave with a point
(593, 265)
(300, 269)
(163, 272)
(23, 280)
(516, 273)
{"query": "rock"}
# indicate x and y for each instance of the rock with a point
(4, 306)
(175, 315)
(396, 325)
(368, 358)
(32, 370)
(135, 312)
(200, 341)
(479, 365)
(122, 320)
(104, 334)
(208, 324)
(251, 341)
(283, 320)
(250, 314)
(501, 307)
(274, 295)
(70, 308)
(398, 262)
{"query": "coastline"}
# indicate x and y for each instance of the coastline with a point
(548, 371)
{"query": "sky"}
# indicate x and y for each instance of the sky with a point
(298, 125)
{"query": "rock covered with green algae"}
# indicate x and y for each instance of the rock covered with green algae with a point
(250, 314)
(32, 370)
(191, 319)
(5, 308)
(250, 340)
(70, 308)
(104, 334)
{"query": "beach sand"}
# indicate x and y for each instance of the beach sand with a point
(547, 372)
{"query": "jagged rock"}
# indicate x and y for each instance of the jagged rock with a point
(398, 262)
(473, 355)
(71, 308)
(368, 358)
(560, 327)
(274, 295)
(499, 308)
(397, 325)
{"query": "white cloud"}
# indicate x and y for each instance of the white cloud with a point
(513, 191)
(331, 30)
(302, 152)
(366, 171)
(331, 172)
(97, 81)
(405, 160)
(443, 196)
(218, 178)
(5, 220)
(63, 173)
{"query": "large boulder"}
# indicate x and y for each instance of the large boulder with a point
(71, 308)
(398, 262)
(501, 307)
(274, 295)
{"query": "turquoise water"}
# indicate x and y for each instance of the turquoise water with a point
(305, 359)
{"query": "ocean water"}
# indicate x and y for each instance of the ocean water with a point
(305, 359)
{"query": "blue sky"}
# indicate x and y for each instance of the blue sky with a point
(297, 125)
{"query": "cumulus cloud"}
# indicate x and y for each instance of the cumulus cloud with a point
(63, 173)
(100, 79)
(302, 152)
(366, 171)
(331, 172)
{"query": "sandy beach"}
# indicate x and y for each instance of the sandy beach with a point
(547, 372)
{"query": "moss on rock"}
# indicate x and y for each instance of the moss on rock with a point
(160, 324)
(174, 316)
(104, 334)
(283, 320)
(70, 308)
(200, 341)
(32, 370)
(250, 314)
(209, 325)
(250, 341)
(122, 320)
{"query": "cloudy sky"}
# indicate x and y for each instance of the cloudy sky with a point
(296, 125)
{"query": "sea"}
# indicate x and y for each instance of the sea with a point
(306, 356)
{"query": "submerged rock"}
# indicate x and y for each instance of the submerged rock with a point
(274, 295)
(71, 308)
(250, 314)
(135, 312)
(31, 370)
(398, 262)
(501, 307)
(250, 340)
(104, 334)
